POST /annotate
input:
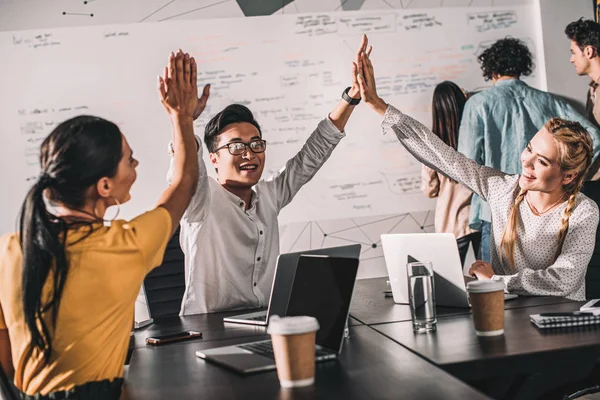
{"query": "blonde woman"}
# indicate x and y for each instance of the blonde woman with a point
(543, 228)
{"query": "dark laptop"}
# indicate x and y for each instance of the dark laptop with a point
(322, 288)
(282, 283)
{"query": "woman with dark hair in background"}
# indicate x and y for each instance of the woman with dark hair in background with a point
(454, 200)
(68, 283)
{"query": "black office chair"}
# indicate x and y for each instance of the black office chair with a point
(592, 291)
(7, 389)
(164, 286)
(592, 278)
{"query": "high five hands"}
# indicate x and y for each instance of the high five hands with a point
(178, 88)
(364, 77)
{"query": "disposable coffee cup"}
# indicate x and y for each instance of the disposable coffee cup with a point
(487, 304)
(294, 347)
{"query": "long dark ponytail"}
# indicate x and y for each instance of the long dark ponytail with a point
(77, 153)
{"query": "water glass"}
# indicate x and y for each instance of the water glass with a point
(421, 296)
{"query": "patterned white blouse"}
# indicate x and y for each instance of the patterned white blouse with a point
(535, 271)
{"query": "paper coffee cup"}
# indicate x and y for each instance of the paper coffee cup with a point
(487, 303)
(294, 347)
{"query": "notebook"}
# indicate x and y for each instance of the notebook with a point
(564, 322)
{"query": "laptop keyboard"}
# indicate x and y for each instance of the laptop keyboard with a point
(266, 349)
(257, 318)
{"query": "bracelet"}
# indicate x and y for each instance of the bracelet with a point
(352, 101)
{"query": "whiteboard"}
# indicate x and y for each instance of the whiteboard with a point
(289, 70)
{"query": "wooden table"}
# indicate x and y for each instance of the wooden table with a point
(539, 359)
(370, 306)
(383, 358)
(370, 367)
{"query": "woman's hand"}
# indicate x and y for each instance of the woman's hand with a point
(365, 77)
(354, 91)
(178, 87)
(481, 270)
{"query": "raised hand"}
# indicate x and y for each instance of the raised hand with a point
(178, 88)
(202, 100)
(354, 91)
(365, 77)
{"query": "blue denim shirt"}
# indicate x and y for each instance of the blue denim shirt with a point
(498, 123)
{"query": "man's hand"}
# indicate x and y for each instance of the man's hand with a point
(202, 102)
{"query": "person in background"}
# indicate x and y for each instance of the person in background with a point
(544, 228)
(68, 283)
(453, 199)
(585, 43)
(498, 123)
(230, 233)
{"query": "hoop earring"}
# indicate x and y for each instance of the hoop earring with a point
(118, 204)
(95, 213)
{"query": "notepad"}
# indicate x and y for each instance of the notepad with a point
(563, 322)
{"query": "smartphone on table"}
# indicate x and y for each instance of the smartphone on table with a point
(176, 337)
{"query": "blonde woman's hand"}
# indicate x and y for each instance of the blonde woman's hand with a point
(354, 91)
(365, 77)
(481, 270)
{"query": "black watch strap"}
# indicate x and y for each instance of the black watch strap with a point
(350, 100)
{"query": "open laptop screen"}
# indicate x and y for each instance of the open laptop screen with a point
(286, 270)
(323, 289)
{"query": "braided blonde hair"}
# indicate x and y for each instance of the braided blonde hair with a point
(575, 152)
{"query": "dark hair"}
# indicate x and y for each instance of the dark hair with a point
(447, 108)
(231, 114)
(584, 33)
(73, 157)
(506, 57)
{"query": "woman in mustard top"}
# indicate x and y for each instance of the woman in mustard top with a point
(68, 283)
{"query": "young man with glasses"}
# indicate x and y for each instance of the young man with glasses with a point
(229, 233)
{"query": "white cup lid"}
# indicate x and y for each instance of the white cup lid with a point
(292, 325)
(485, 286)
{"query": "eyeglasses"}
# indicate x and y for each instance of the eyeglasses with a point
(239, 148)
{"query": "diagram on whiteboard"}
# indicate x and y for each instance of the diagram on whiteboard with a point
(17, 15)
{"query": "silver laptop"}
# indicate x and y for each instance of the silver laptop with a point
(282, 283)
(322, 288)
(439, 248)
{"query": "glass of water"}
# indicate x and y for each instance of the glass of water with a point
(421, 296)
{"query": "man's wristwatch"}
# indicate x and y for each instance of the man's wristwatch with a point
(350, 100)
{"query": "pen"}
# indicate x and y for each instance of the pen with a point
(566, 314)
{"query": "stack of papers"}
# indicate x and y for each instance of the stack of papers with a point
(562, 320)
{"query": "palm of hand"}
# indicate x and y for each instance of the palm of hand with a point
(182, 100)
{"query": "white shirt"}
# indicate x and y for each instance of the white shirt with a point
(230, 253)
(535, 272)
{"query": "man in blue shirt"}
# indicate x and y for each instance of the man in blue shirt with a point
(498, 123)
